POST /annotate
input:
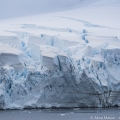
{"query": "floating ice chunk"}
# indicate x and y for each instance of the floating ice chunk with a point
(62, 114)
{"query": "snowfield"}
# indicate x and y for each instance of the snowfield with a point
(66, 57)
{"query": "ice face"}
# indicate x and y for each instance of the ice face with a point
(63, 80)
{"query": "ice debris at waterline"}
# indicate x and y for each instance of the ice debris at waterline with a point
(65, 60)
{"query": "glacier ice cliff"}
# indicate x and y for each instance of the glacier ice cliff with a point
(36, 76)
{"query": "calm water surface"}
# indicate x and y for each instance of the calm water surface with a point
(61, 114)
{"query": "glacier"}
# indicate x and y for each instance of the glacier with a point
(62, 59)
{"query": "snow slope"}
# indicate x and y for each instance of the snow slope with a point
(31, 7)
(69, 58)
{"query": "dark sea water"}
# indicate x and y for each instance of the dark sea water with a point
(61, 114)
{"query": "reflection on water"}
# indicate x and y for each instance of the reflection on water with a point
(61, 114)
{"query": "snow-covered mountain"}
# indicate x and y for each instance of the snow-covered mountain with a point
(15, 8)
(66, 56)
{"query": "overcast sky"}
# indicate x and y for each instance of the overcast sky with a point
(18, 8)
